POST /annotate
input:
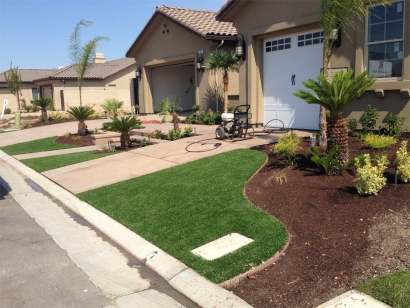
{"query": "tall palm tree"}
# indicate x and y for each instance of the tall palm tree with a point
(333, 14)
(81, 113)
(43, 104)
(13, 81)
(81, 56)
(335, 96)
(223, 62)
(124, 126)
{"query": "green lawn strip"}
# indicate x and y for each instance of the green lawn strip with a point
(184, 207)
(42, 164)
(41, 145)
(393, 289)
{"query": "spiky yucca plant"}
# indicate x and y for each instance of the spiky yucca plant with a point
(81, 113)
(124, 125)
(335, 96)
(43, 104)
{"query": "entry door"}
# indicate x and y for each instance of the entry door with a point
(288, 61)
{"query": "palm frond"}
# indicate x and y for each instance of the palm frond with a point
(337, 94)
(81, 113)
(75, 40)
(124, 125)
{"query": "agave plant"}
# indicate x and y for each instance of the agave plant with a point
(335, 96)
(111, 105)
(124, 125)
(81, 113)
(43, 104)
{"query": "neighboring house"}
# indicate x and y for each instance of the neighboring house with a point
(285, 47)
(29, 90)
(168, 50)
(103, 79)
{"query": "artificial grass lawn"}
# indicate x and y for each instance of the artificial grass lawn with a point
(42, 164)
(41, 145)
(184, 207)
(393, 289)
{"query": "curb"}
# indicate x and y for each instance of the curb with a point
(178, 275)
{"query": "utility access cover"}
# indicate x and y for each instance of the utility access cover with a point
(222, 246)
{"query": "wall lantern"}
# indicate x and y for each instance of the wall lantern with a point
(335, 36)
(240, 49)
(138, 72)
(200, 59)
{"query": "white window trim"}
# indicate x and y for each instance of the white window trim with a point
(366, 44)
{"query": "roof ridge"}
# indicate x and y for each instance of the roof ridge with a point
(185, 9)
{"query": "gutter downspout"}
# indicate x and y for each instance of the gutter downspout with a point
(216, 80)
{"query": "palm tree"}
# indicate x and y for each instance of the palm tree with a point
(124, 126)
(335, 96)
(170, 106)
(333, 14)
(224, 62)
(111, 105)
(81, 113)
(43, 104)
(81, 56)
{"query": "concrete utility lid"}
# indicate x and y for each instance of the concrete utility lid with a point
(222, 246)
(353, 299)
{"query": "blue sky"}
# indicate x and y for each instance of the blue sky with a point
(35, 33)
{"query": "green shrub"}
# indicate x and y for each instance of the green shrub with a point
(157, 134)
(28, 108)
(105, 126)
(402, 163)
(7, 111)
(394, 125)
(188, 131)
(286, 147)
(57, 115)
(378, 142)
(352, 125)
(35, 108)
(189, 120)
(369, 118)
(370, 178)
(174, 134)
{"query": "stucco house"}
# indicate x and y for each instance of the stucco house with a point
(284, 46)
(104, 79)
(169, 51)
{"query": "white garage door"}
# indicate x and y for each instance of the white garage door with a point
(288, 61)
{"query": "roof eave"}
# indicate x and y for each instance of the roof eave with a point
(225, 9)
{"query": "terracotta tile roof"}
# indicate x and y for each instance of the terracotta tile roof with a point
(200, 22)
(95, 70)
(28, 75)
(226, 8)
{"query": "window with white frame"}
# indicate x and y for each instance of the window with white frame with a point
(385, 33)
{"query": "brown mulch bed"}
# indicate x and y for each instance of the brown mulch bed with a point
(337, 238)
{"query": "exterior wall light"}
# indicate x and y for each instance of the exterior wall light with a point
(335, 36)
(199, 60)
(138, 72)
(240, 49)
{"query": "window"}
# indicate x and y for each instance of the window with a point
(276, 45)
(34, 93)
(385, 33)
(310, 39)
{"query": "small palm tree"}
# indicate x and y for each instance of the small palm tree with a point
(170, 106)
(111, 105)
(81, 113)
(224, 62)
(43, 104)
(124, 126)
(335, 96)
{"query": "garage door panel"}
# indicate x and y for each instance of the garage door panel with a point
(278, 87)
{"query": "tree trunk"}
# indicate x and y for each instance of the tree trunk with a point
(226, 101)
(44, 113)
(337, 135)
(124, 140)
(82, 128)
